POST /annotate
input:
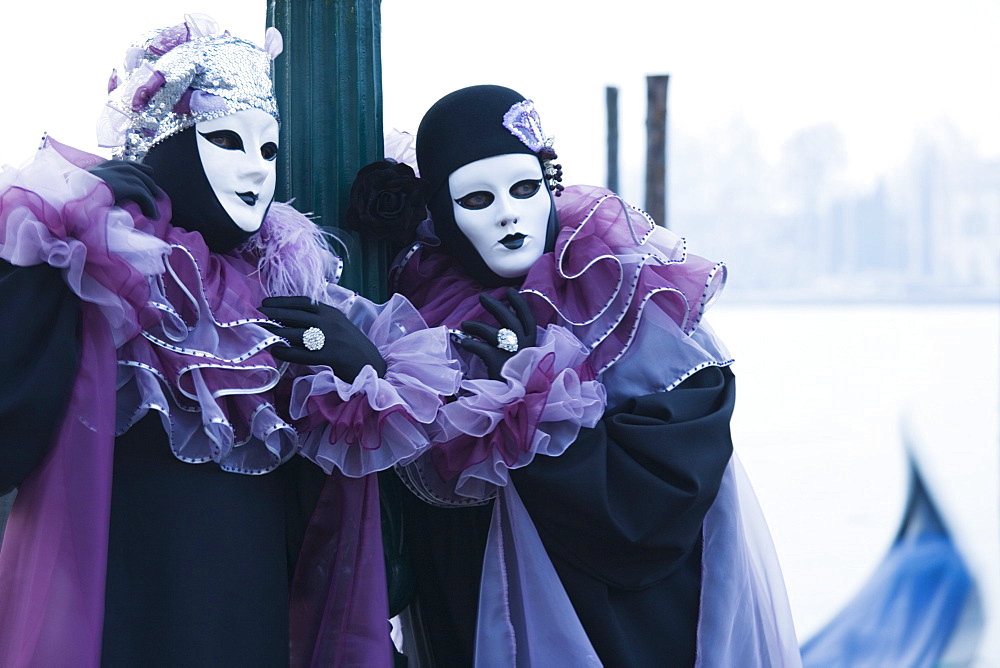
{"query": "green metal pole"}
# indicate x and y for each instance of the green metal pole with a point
(329, 87)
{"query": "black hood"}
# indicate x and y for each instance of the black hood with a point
(461, 128)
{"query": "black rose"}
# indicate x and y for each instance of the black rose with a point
(387, 201)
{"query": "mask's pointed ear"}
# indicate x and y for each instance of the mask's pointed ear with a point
(274, 43)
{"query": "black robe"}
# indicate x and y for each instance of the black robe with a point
(199, 560)
(620, 515)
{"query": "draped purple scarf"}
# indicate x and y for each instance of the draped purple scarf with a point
(54, 554)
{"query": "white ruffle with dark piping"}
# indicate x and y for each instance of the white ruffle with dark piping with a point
(610, 263)
(374, 423)
(195, 373)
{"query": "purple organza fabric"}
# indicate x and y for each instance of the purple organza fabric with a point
(339, 609)
(614, 263)
(495, 426)
(744, 619)
(54, 553)
(186, 327)
(525, 616)
(614, 279)
(611, 267)
(48, 210)
(374, 423)
(204, 366)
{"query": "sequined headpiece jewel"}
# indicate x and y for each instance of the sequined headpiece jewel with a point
(179, 76)
(522, 121)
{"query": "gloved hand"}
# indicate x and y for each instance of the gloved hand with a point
(516, 318)
(343, 347)
(131, 182)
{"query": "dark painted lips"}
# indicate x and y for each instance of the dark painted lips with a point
(513, 241)
(248, 197)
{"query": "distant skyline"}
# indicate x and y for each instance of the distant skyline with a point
(877, 69)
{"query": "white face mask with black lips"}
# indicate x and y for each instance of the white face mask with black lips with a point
(502, 206)
(238, 154)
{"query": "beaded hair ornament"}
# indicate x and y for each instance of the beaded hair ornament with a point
(176, 77)
(523, 122)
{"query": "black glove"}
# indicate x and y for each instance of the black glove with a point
(518, 318)
(131, 182)
(345, 349)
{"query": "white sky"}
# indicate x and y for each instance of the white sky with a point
(878, 69)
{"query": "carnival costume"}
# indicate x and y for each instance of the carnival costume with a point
(150, 417)
(641, 514)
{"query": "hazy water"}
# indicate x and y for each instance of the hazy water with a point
(819, 401)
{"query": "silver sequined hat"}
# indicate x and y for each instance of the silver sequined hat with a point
(179, 76)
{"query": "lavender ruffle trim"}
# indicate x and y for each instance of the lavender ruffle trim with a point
(374, 423)
(496, 426)
(610, 263)
(255, 444)
(53, 212)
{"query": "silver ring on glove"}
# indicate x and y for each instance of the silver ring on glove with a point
(313, 338)
(507, 340)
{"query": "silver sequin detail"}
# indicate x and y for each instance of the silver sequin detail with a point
(313, 338)
(236, 72)
(523, 122)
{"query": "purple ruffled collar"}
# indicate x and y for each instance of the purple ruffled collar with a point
(611, 262)
(184, 320)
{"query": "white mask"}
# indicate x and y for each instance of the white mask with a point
(238, 154)
(502, 206)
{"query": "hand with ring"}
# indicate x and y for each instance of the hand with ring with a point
(319, 334)
(496, 345)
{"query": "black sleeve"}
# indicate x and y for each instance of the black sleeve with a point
(39, 351)
(625, 503)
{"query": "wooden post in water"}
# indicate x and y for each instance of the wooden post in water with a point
(611, 96)
(656, 147)
(6, 501)
(329, 88)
